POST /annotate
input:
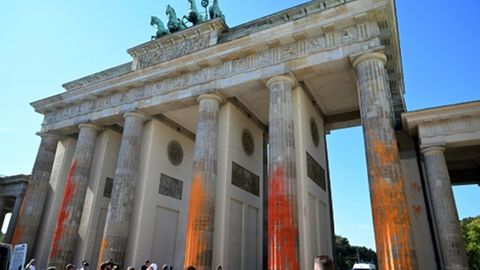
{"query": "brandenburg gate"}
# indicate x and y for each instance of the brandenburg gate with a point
(208, 149)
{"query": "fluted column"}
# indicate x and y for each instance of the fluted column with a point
(201, 209)
(68, 221)
(283, 251)
(2, 214)
(14, 218)
(452, 245)
(120, 209)
(34, 201)
(393, 232)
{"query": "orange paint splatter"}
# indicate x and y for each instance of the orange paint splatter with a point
(103, 246)
(417, 209)
(63, 215)
(195, 227)
(282, 230)
(390, 213)
(17, 234)
(415, 187)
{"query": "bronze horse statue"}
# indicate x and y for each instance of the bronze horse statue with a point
(193, 15)
(174, 24)
(158, 24)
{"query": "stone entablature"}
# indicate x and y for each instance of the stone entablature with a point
(178, 44)
(13, 185)
(453, 125)
(99, 76)
(315, 39)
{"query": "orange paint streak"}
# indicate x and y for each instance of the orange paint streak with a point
(103, 246)
(195, 227)
(282, 230)
(63, 215)
(17, 234)
(390, 212)
(417, 209)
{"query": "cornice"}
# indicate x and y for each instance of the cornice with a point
(349, 28)
(412, 120)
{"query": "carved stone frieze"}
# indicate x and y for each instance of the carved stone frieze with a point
(173, 51)
(177, 45)
(267, 57)
(99, 76)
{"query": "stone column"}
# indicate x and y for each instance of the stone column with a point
(120, 209)
(70, 213)
(14, 218)
(393, 232)
(35, 196)
(283, 245)
(452, 245)
(201, 209)
(2, 214)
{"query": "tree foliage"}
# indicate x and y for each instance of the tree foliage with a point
(471, 233)
(346, 255)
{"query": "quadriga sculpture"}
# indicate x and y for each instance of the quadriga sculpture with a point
(158, 24)
(174, 24)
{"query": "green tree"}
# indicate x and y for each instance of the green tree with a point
(471, 233)
(346, 255)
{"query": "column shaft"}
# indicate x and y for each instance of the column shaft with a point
(452, 245)
(13, 218)
(68, 221)
(393, 232)
(201, 210)
(117, 227)
(283, 246)
(2, 214)
(34, 201)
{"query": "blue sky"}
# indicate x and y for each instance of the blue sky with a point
(46, 43)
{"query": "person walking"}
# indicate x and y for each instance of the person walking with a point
(31, 265)
(145, 265)
(85, 265)
(323, 263)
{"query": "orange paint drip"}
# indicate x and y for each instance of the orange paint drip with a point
(70, 188)
(195, 227)
(103, 246)
(17, 234)
(390, 212)
(282, 230)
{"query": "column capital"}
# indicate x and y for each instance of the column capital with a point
(212, 96)
(432, 148)
(285, 79)
(137, 114)
(368, 56)
(89, 125)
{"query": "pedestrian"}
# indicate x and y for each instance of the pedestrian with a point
(145, 265)
(107, 265)
(70, 267)
(31, 265)
(153, 266)
(130, 268)
(323, 263)
(85, 265)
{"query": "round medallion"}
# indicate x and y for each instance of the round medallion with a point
(247, 142)
(175, 153)
(314, 132)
